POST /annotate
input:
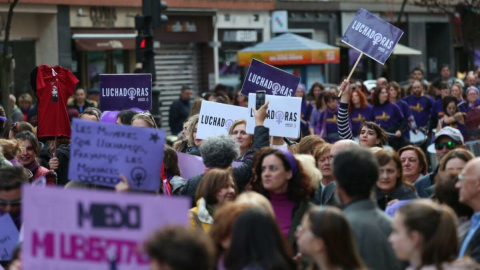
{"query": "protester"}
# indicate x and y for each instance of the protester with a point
(10, 149)
(144, 120)
(446, 140)
(469, 194)
(414, 163)
(172, 170)
(319, 107)
(457, 91)
(196, 106)
(421, 106)
(125, 117)
(80, 102)
(89, 115)
(220, 151)
(438, 107)
(391, 186)
(395, 96)
(179, 110)
(309, 144)
(11, 180)
(389, 117)
(255, 199)
(446, 193)
(455, 160)
(30, 149)
(257, 243)
(370, 225)
(323, 160)
(326, 237)
(305, 110)
(314, 92)
(424, 234)
(282, 179)
(216, 189)
(472, 109)
(326, 126)
(16, 114)
(179, 248)
(18, 127)
(240, 99)
(446, 77)
(452, 117)
(182, 144)
(193, 142)
(245, 141)
(25, 102)
(359, 111)
(309, 165)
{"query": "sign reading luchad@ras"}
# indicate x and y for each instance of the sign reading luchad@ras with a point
(100, 152)
(125, 91)
(372, 36)
(217, 118)
(85, 229)
(274, 81)
(283, 115)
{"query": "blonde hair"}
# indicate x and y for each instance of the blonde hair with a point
(309, 165)
(255, 199)
(193, 120)
(147, 117)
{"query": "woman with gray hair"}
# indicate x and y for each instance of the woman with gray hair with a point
(220, 152)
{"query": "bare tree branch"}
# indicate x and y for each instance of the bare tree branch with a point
(7, 27)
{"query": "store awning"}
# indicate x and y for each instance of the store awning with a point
(290, 49)
(398, 50)
(103, 39)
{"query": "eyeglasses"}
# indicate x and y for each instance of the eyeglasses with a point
(449, 145)
(12, 203)
(462, 178)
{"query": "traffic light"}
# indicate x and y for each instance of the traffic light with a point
(144, 39)
(156, 10)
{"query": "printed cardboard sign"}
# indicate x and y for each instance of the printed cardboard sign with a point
(217, 118)
(274, 81)
(371, 35)
(87, 229)
(283, 115)
(124, 91)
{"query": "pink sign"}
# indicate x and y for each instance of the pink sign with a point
(86, 229)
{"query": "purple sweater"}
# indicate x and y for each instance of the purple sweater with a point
(283, 209)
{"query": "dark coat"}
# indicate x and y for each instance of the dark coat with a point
(403, 192)
(371, 228)
(424, 182)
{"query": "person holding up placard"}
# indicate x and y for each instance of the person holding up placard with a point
(216, 189)
(245, 141)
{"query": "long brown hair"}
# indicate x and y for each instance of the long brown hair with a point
(331, 225)
(438, 226)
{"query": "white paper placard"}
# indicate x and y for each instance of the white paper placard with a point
(283, 118)
(217, 118)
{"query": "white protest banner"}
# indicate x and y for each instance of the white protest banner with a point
(217, 118)
(283, 115)
(87, 229)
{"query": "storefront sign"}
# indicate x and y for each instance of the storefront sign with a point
(125, 91)
(100, 152)
(371, 35)
(274, 81)
(239, 36)
(90, 229)
(179, 27)
(283, 115)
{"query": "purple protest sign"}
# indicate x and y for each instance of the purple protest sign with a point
(8, 237)
(84, 229)
(274, 81)
(124, 91)
(372, 36)
(191, 165)
(99, 152)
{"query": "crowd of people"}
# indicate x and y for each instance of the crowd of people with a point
(357, 190)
